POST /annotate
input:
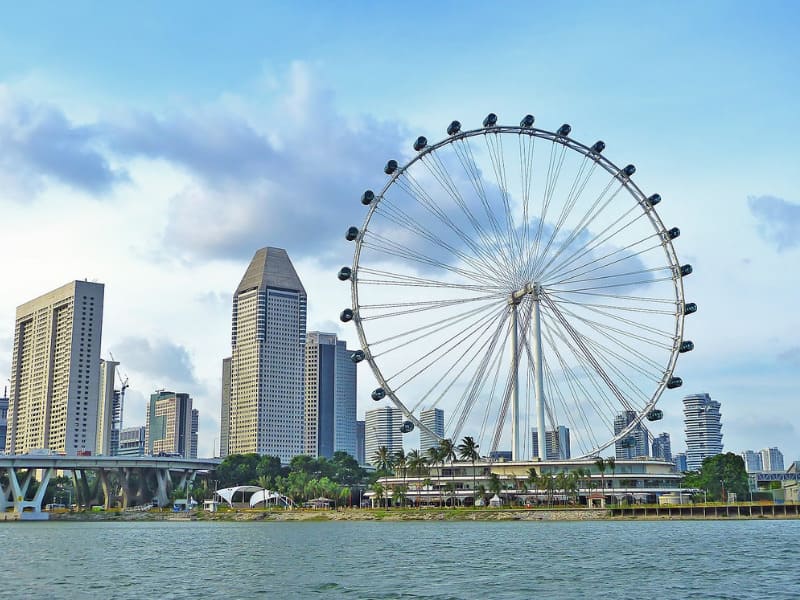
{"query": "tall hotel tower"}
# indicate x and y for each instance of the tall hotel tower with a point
(382, 428)
(264, 410)
(703, 429)
(55, 371)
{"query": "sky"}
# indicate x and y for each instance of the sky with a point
(155, 147)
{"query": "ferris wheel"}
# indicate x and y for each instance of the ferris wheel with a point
(517, 280)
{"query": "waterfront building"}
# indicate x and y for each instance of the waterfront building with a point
(662, 447)
(131, 441)
(752, 461)
(557, 444)
(171, 425)
(432, 418)
(55, 371)
(225, 414)
(703, 428)
(109, 410)
(382, 428)
(772, 459)
(265, 413)
(3, 419)
(360, 442)
(680, 462)
(330, 396)
(636, 443)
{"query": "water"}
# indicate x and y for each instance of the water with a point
(436, 560)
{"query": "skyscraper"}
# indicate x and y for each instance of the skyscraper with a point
(772, 459)
(171, 425)
(557, 444)
(662, 448)
(55, 371)
(433, 418)
(131, 441)
(752, 461)
(382, 428)
(330, 410)
(3, 419)
(636, 443)
(360, 442)
(109, 410)
(680, 462)
(268, 335)
(225, 412)
(703, 429)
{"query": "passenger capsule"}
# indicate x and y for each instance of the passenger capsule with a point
(674, 382)
(344, 273)
(686, 346)
(367, 197)
(673, 233)
(390, 167)
(654, 199)
(453, 128)
(599, 146)
(420, 143)
(358, 356)
(527, 121)
(564, 130)
(689, 308)
(686, 270)
(346, 315)
(407, 427)
(352, 234)
(378, 394)
(629, 170)
(655, 415)
(490, 120)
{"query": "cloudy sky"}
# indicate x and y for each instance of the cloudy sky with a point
(154, 148)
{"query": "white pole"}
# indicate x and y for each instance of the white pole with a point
(538, 370)
(516, 450)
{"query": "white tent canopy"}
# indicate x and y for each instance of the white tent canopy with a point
(266, 496)
(227, 493)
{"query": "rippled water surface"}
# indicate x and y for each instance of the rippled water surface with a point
(438, 560)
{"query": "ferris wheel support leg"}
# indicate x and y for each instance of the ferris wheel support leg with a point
(538, 372)
(516, 450)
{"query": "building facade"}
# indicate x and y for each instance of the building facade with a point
(433, 418)
(265, 414)
(703, 428)
(752, 461)
(360, 442)
(3, 419)
(557, 444)
(330, 396)
(225, 416)
(109, 410)
(171, 425)
(772, 459)
(382, 428)
(662, 447)
(55, 371)
(636, 444)
(132, 441)
(680, 462)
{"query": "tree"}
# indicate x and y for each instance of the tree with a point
(399, 462)
(379, 490)
(448, 453)
(494, 484)
(611, 463)
(417, 463)
(435, 456)
(238, 469)
(721, 471)
(600, 463)
(382, 459)
(468, 450)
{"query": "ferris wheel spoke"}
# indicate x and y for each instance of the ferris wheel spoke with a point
(494, 144)
(404, 280)
(648, 299)
(413, 309)
(614, 285)
(613, 276)
(633, 309)
(667, 334)
(526, 156)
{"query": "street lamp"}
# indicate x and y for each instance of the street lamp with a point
(722, 484)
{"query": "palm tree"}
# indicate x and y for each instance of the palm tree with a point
(417, 462)
(533, 478)
(448, 450)
(400, 461)
(379, 490)
(611, 463)
(382, 459)
(435, 456)
(600, 463)
(468, 450)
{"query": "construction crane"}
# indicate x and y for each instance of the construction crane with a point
(123, 385)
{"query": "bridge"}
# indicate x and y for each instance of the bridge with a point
(135, 476)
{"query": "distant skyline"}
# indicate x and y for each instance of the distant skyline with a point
(154, 148)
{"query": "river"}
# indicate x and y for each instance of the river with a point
(420, 559)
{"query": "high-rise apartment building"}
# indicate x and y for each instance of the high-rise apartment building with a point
(636, 443)
(703, 428)
(330, 391)
(752, 461)
(433, 418)
(109, 410)
(680, 462)
(382, 428)
(225, 416)
(131, 441)
(662, 447)
(3, 419)
(171, 426)
(265, 413)
(55, 371)
(772, 459)
(360, 442)
(556, 443)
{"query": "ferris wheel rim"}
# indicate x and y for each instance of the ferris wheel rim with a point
(610, 167)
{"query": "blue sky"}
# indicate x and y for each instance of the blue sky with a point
(147, 138)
